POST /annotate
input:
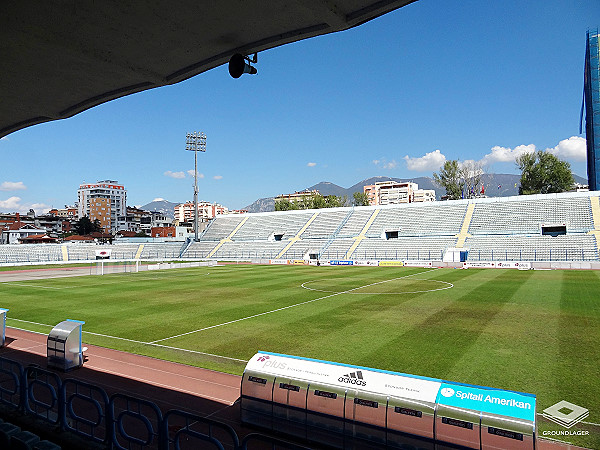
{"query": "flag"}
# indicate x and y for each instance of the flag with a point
(499, 186)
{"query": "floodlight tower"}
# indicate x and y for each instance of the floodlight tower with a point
(195, 142)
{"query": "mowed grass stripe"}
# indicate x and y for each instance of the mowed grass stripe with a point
(281, 309)
(322, 326)
(579, 337)
(433, 346)
(533, 331)
(518, 348)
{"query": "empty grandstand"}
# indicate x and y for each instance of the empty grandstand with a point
(553, 227)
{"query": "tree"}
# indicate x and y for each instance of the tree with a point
(450, 178)
(461, 180)
(471, 172)
(85, 226)
(543, 173)
(360, 199)
(314, 201)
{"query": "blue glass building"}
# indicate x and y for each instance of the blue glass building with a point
(592, 108)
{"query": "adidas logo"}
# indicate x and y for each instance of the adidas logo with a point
(353, 378)
(357, 374)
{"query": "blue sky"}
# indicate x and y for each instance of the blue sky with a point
(435, 80)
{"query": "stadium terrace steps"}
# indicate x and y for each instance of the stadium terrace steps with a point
(462, 236)
(595, 208)
(413, 231)
(525, 216)
(579, 247)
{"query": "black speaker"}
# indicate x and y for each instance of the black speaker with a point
(238, 66)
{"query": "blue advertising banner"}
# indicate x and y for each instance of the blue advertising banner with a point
(341, 263)
(492, 401)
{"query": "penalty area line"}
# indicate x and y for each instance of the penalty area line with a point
(286, 307)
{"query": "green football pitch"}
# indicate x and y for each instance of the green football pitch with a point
(530, 331)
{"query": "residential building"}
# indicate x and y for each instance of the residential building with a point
(105, 201)
(297, 196)
(591, 92)
(16, 232)
(162, 232)
(68, 212)
(393, 193)
(184, 212)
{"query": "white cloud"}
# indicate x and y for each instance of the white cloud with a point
(177, 175)
(430, 161)
(191, 174)
(12, 186)
(218, 177)
(39, 208)
(311, 164)
(385, 164)
(13, 204)
(505, 154)
(573, 149)
(158, 199)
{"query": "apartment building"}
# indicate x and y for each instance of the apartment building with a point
(393, 193)
(105, 201)
(184, 212)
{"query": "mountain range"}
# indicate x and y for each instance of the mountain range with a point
(162, 206)
(496, 185)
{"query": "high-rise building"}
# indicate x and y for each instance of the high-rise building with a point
(106, 201)
(592, 108)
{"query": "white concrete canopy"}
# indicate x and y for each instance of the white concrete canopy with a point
(59, 58)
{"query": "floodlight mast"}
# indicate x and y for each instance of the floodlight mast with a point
(195, 142)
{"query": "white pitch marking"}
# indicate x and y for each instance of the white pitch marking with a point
(12, 283)
(587, 423)
(284, 308)
(27, 321)
(450, 285)
(128, 340)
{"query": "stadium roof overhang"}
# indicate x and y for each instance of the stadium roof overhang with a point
(61, 58)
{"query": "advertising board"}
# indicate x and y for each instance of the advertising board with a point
(340, 263)
(523, 265)
(278, 261)
(417, 263)
(346, 376)
(488, 400)
(391, 263)
(479, 265)
(103, 254)
(366, 262)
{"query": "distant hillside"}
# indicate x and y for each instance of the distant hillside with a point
(496, 185)
(162, 206)
(262, 205)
